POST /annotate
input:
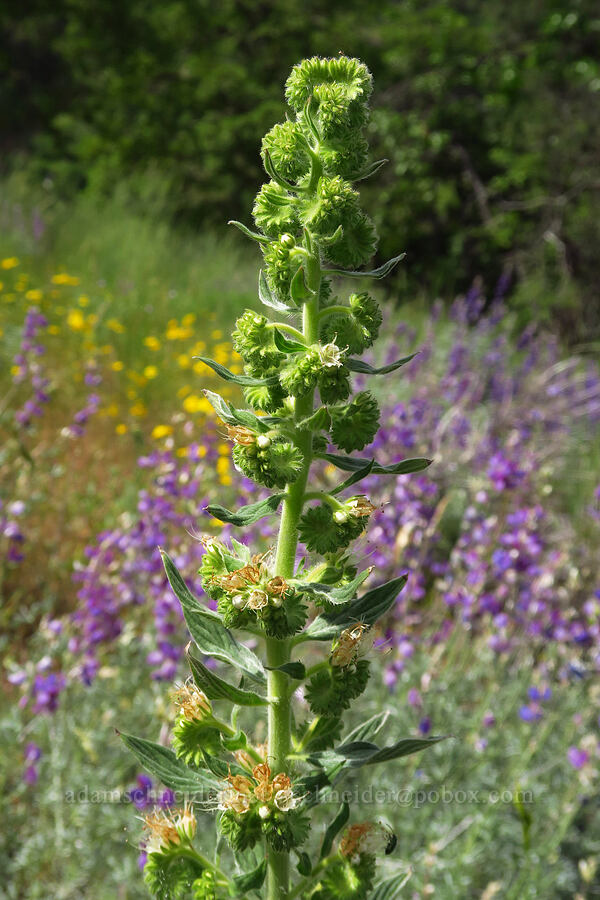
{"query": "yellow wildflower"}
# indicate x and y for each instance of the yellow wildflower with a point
(184, 361)
(152, 342)
(53, 329)
(139, 410)
(117, 366)
(217, 335)
(161, 431)
(64, 278)
(115, 326)
(76, 320)
(34, 294)
(121, 428)
(84, 300)
(10, 262)
(188, 319)
(150, 372)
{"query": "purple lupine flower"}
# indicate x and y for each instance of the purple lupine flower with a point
(577, 757)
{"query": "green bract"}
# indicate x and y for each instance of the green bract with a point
(309, 218)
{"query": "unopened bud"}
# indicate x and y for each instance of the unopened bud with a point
(263, 441)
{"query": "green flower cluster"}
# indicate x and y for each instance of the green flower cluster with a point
(357, 328)
(313, 160)
(247, 593)
(253, 340)
(325, 529)
(267, 458)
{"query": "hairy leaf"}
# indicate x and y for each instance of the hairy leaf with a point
(380, 272)
(342, 816)
(358, 365)
(267, 297)
(390, 888)
(251, 881)
(209, 633)
(292, 669)
(356, 464)
(244, 380)
(260, 238)
(286, 345)
(364, 753)
(217, 688)
(246, 515)
(163, 764)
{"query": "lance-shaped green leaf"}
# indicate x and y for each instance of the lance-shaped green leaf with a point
(356, 464)
(286, 345)
(329, 773)
(163, 764)
(366, 609)
(251, 881)
(232, 416)
(364, 753)
(391, 888)
(291, 669)
(267, 297)
(370, 607)
(244, 380)
(329, 595)
(359, 365)
(342, 816)
(310, 119)
(299, 291)
(380, 272)
(356, 477)
(371, 169)
(221, 769)
(217, 688)
(260, 238)
(246, 515)
(209, 634)
(273, 173)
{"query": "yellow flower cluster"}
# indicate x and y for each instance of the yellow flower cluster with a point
(141, 373)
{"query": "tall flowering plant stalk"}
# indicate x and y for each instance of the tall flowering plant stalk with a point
(311, 230)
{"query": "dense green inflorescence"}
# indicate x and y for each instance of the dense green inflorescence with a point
(298, 382)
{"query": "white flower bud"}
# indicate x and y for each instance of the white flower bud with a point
(263, 441)
(264, 812)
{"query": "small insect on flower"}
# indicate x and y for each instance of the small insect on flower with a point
(350, 645)
(370, 838)
(245, 437)
(191, 702)
(359, 506)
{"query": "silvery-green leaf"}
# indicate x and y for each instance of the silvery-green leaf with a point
(217, 688)
(207, 629)
(243, 380)
(163, 764)
(251, 234)
(355, 464)
(246, 515)
(380, 272)
(267, 297)
(342, 816)
(359, 365)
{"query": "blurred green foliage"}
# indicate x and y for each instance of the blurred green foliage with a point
(488, 112)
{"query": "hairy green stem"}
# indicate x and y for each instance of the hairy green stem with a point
(278, 651)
